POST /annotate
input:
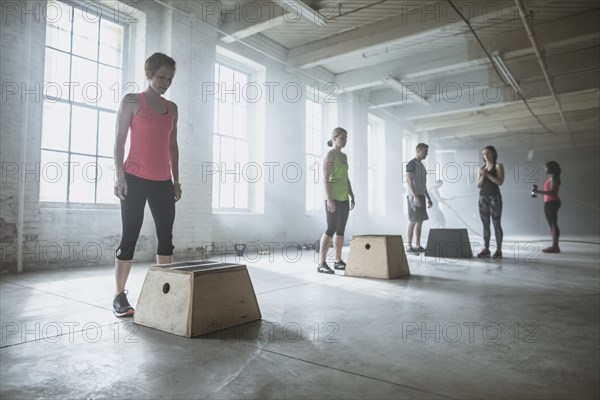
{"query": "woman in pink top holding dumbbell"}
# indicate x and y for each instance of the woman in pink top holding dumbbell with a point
(551, 202)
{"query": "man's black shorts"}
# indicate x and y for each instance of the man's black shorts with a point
(417, 214)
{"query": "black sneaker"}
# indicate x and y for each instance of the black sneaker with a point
(121, 307)
(324, 269)
(485, 253)
(419, 250)
(411, 250)
(341, 265)
(497, 254)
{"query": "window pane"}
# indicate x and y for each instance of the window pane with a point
(84, 76)
(111, 43)
(83, 130)
(56, 74)
(58, 14)
(241, 190)
(226, 79)
(227, 155)
(314, 148)
(106, 182)
(225, 118)
(85, 34)
(371, 187)
(376, 167)
(317, 139)
(216, 116)
(106, 133)
(109, 81)
(227, 87)
(53, 176)
(310, 187)
(241, 78)
(83, 179)
(55, 126)
(227, 189)
(58, 38)
(309, 137)
(58, 28)
(240, 122)
(314, 169)
(227, 167)
(317, 115)
(216, 177)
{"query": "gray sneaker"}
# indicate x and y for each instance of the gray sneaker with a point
(121, 307)
(324, 269)
(341, 265)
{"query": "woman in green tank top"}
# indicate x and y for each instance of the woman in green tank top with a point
(339, 200)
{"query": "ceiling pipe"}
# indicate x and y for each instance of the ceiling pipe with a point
(538, 53)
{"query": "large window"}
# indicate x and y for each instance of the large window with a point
(376, 165)
(314, 156)
(83, 74)
(231, 151)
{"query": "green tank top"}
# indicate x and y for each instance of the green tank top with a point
(339, 180)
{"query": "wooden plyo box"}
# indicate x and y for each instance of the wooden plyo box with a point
(196, 297)
(377, 256)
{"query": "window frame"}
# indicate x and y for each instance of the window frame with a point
(316, 169)
(70, 102)
(252, 145)
(376, 153)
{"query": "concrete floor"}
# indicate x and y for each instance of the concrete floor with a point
(524, 327)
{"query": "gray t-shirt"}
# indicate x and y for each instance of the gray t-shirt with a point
(419, 172)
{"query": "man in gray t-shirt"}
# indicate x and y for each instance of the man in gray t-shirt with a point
(416, 178)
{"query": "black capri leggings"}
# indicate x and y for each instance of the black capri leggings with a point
(161, 198)
(336, 221)
(551, 211)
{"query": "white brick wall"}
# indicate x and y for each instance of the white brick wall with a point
(59, 237)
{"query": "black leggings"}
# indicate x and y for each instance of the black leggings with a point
(336, 221)
(491, 206)
(551, 211)
(161, 199)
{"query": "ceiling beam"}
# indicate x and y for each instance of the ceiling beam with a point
(515, 125)
(581, 28)
(249, 19)
(480, 88)
(521, 143)
(381, 33)
(571, 102)
(495, 96)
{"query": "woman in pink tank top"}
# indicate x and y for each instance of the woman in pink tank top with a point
(551, 202)
(145, 176)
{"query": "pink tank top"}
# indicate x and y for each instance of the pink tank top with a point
(149, 156)
(547, 188)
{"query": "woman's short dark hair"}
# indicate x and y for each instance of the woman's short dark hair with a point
(492, 150)
(157, 60)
